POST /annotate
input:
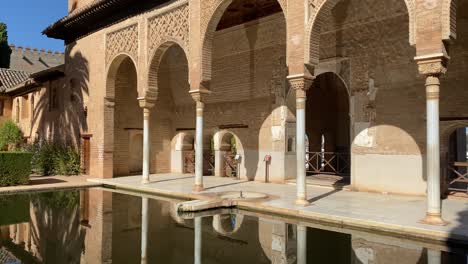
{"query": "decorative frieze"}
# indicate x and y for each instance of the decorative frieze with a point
(170, 25)
(124, 40)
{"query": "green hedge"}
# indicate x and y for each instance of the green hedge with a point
(15, 168)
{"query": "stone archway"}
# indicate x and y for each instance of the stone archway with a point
(171, 125)
(228, 154)
(214, 12)
(328, 127)
(122, 116)
(182, 154)
(320, 16)
(243, 64)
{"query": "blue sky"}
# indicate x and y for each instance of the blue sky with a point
(27, 18)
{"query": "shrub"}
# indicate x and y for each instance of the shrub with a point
(66, 161)
(42, 161)
(54, 159)
(15, 168)
(10, 135)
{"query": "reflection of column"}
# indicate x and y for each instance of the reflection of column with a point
(432, 68)
(146, 104)
(300, 84)
(200, 105)
(434, 256)
(198, 240)
(301, 244)
(144, 229)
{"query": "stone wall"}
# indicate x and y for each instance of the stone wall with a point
(53, 111)
(366, 45)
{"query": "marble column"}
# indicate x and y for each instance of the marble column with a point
(301, 244)
(300, 84)
(198, 96)
(146, 104)
(198, 240)
(144, 230)
(432, 67)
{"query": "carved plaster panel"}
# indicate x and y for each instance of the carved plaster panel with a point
(124, 40)
(170, 25)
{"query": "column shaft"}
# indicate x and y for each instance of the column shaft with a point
(433, 150)
(146, 145)
(199, 147)
(301, 198)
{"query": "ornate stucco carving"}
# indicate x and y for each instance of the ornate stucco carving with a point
(122, 40)
(432, 65)
(170, 25)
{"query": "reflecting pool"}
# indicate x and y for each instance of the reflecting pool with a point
(100, 226)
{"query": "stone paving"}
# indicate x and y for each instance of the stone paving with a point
(388, 214)
(50, 183)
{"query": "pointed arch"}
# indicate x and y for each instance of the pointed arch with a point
(318, 17)
(155, 61)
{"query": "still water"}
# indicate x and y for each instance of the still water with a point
(97, 226)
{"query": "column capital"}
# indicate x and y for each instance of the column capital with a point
(300, 83)
(432, 64)
(146, 102)
(199, 95)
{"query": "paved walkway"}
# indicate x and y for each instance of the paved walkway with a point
(50, 183)
(388, 214)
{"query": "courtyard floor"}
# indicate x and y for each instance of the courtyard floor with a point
(387, 214)
(50, 183)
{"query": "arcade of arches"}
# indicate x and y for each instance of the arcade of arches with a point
(360, 81)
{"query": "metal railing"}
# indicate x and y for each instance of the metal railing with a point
(458, 176)
(336, 163)
(231, 165)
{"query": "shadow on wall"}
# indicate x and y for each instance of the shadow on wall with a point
(61, 111)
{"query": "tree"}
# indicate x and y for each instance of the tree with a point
(5, 50)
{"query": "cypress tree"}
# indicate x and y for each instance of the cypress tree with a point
(5, 50)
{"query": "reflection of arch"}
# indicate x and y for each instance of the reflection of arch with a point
(227, 224)
(319, 17)
(156, 59)
(207, 48)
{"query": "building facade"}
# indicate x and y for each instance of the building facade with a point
(370, 89)
(37, 98)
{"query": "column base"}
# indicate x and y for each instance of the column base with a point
(302, 202)
(434, 219)
(145, 181)
(198, 188)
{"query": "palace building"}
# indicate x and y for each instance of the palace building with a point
(373, 92)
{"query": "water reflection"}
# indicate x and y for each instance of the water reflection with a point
(96, 226)
(144, 229)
